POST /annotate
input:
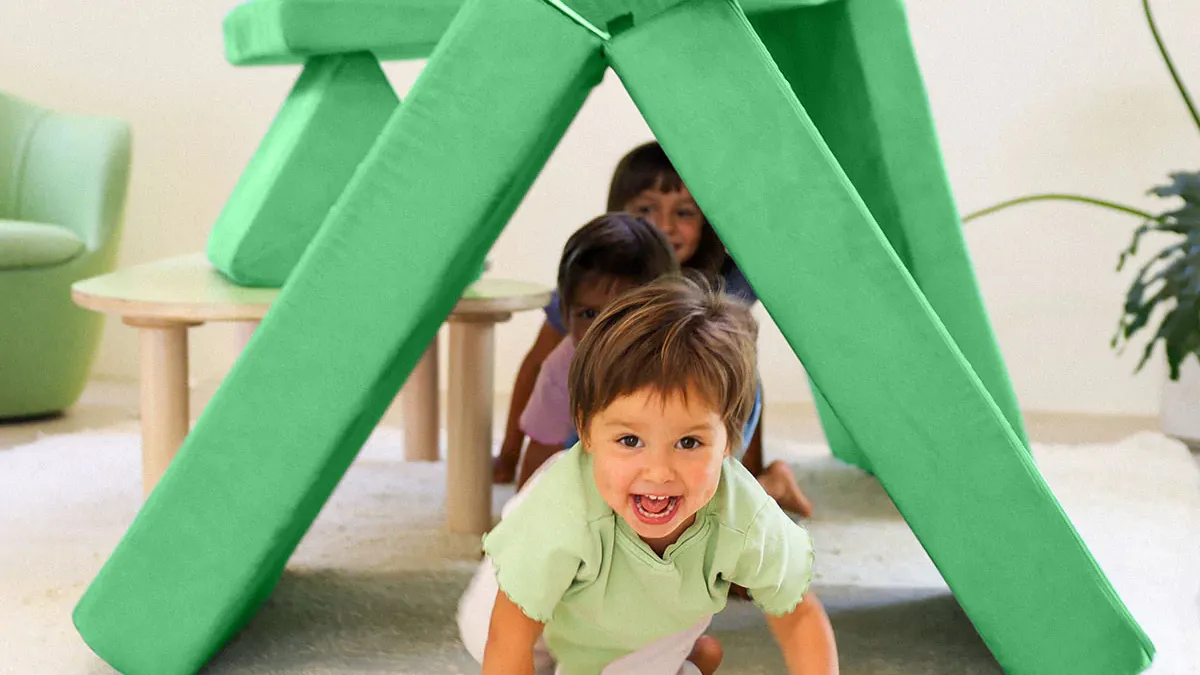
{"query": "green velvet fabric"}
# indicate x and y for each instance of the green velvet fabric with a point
(337, 107)
(854, 67)
(885, 339)
(273, 32)
(815, 157)
(28, 245)
(382, 274)
(328, 123)
(270, 32)
(335, 110)
(63, 183)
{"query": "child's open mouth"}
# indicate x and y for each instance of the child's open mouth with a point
(655, 509)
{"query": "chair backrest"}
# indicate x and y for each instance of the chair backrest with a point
(17, 122)
(68, 170)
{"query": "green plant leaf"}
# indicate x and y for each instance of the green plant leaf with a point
(1184, 184)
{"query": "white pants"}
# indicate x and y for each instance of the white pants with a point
(666, 656)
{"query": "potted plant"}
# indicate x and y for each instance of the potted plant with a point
(1166, 290)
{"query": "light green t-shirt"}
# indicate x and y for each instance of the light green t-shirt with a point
(569, 561)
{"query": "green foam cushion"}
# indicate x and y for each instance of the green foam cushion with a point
(272, 32)
(268, 32)
(328, 123)
(411, 230)
(854, 67)
(870, 339)
(27, 245)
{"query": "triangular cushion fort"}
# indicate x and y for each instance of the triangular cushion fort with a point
(860, 322)
(396, 253)
(434, 192)
(329, 121)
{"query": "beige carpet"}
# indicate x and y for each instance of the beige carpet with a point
(372, 588)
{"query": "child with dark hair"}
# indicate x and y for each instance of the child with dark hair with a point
(609, 255)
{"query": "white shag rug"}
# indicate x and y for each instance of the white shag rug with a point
(373, 586)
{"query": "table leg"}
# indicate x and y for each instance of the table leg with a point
(469, 425)
(164, 396)
(420, 404)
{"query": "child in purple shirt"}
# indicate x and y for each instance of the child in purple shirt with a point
(547, 417)
(606, 257)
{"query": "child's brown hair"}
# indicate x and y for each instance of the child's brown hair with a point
(674, 334)
(615, 247)
(647, 167)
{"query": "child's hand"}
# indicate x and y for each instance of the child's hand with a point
(806, 638)
(511, 637)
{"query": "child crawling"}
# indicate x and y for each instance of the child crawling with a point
(615, 556)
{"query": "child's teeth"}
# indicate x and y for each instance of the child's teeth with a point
(655, 506)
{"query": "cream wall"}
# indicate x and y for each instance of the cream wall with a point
(1027, 96)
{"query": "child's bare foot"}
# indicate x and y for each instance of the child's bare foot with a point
(779, 482)
(707, 654)
(504, 468)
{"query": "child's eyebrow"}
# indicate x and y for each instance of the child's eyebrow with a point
(620, 423)
(630, 425)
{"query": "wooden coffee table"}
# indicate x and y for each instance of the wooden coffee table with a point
(164, 299)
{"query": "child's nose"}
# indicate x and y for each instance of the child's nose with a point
(658, 467)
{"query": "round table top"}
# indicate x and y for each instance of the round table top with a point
(189, 289)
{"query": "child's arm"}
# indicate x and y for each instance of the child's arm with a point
(806, 638)
(536, 454)
(511, 638)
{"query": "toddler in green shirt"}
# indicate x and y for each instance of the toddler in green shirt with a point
(613, 559)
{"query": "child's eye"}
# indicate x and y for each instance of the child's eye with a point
(687, 213)
(630, 441)
(641, 210)
(588, 313)
(689, 443)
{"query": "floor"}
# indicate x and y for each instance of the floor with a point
(106, 403)
(365, 578)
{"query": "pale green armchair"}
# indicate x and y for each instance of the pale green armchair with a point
(63, 183)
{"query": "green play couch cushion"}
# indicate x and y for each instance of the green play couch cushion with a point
(328, 123)
(28, 245)
(383, 273)
(273, 32)
(269, 32)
